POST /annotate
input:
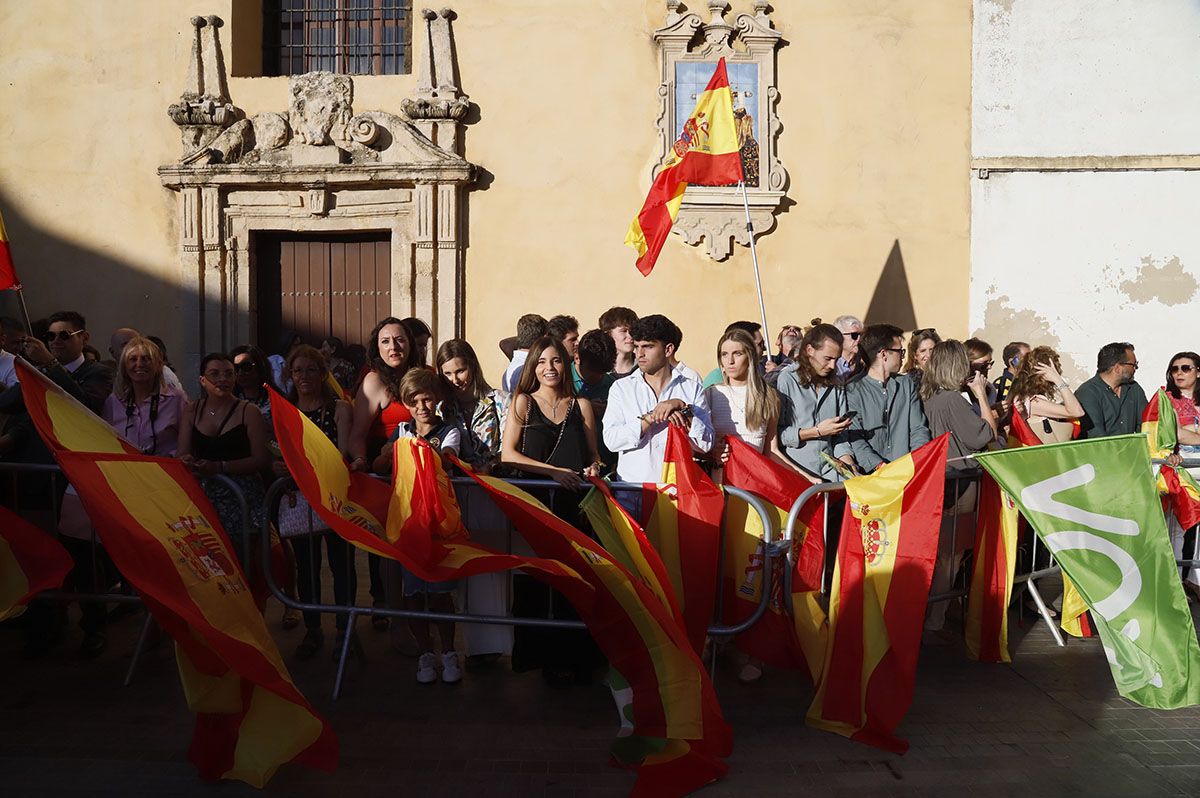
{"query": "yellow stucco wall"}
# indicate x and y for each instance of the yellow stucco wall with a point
(875, 99)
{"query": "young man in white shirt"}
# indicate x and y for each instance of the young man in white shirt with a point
(643, 404)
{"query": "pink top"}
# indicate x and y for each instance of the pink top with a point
(1185, 410)
(132, 422)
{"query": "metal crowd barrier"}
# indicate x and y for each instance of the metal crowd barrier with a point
(277, 490)
(44, 511)
(956, 485)
(1038, 553)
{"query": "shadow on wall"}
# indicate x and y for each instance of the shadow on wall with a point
(61, 275)
(892, 301)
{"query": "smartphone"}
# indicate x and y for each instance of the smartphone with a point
(849, 414)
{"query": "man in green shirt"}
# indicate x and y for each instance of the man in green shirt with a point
(1112, 401)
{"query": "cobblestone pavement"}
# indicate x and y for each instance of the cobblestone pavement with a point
(1050, 724)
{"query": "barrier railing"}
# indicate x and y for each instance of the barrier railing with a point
(963, 487)
(1038, 553)
(277, 490)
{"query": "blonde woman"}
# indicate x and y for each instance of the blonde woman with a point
(743, 406)
(1043, 398)
(142, 407)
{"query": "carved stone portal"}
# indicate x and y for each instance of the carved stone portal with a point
(317, 167)
(689, 49)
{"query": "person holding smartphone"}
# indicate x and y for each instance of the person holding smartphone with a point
(815, 416)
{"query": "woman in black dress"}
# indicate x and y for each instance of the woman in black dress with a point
(551, 432)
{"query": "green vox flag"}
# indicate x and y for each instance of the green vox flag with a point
(1095, 505)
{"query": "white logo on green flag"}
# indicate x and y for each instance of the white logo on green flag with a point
(1095, 505)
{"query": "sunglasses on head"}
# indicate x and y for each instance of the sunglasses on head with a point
(1186, 368)
(61, 335)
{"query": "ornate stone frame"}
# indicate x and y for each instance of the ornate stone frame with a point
(716, 214)
(317, 168)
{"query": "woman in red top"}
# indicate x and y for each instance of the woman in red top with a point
(377, 408)
(377, 412)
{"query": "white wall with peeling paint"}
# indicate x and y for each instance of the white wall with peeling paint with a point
(1075, 260)
(1103, 77)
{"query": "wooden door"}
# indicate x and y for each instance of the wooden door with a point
(322, 285)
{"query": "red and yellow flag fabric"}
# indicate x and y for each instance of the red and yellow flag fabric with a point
(673, 698)
(880, 587)
(994, 564)
(164, 536)
(626, 541)
(705, 154)
(30, 561)
(786, 637)
(415, 521)
(1020, 433)
(336, 387)
(64, 423)
(8, 272)
(1160, 424)
(682, 519)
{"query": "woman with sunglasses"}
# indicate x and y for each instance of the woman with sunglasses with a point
(1043, 398)
(253, 372)
(1181, 388)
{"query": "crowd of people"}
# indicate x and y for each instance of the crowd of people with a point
(829, 402)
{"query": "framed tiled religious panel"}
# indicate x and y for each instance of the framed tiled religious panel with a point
(689, 49)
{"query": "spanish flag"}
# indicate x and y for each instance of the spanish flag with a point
(673, 699)
(880, 587)
(1160, 424)
(793, 632)
(8, 272)
(30, 561)
(1020, 433)
(164, 536)
(682, 519)
(626, 541)
(415, 521)
(64, 423)
(994, 562)
(705, 154)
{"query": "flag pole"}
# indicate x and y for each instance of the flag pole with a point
(762, 308)
(25, 310)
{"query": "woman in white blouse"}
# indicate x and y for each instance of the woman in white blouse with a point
(743, 406)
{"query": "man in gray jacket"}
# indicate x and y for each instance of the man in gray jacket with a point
(889, 422)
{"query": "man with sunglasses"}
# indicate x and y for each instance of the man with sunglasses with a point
(890, 422)
(61, 359)
(1112, 401)
(849, 364)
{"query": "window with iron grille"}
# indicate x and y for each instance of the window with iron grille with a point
(349, 37)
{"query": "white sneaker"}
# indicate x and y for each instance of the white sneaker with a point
(427, 668)
(451, 673)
